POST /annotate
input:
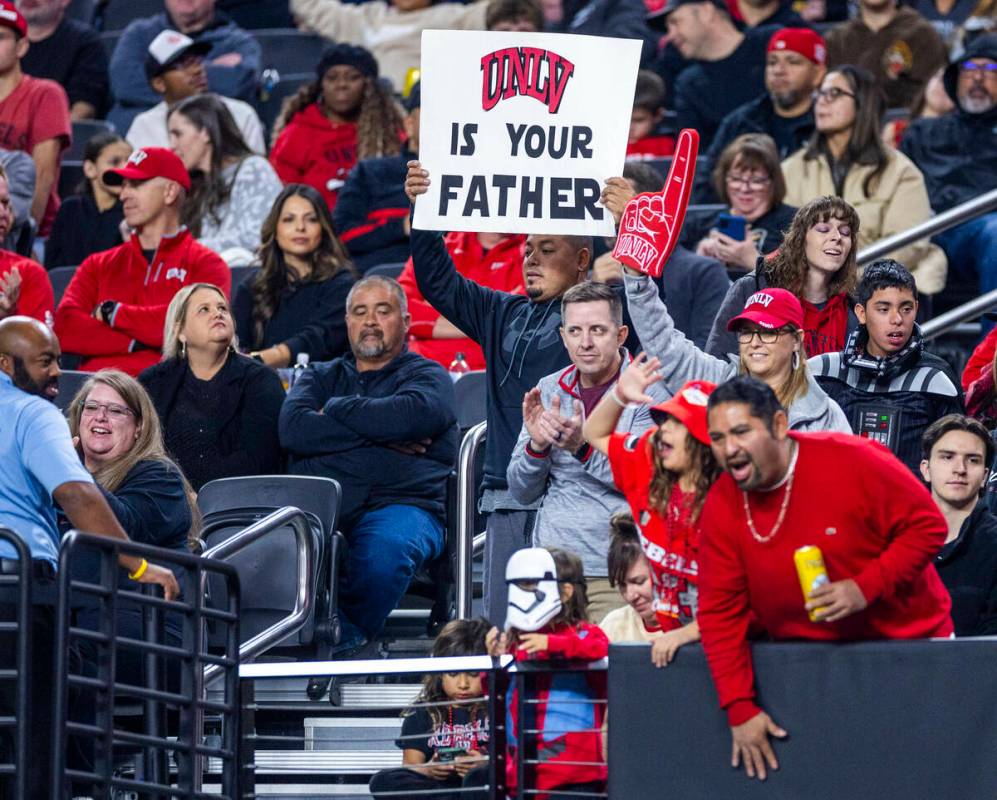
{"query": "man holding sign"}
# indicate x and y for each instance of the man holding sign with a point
(519, 133)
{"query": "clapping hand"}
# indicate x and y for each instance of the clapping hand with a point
(547, 427)
(10, 293)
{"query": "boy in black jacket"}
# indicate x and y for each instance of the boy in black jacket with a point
(521, 339)
(957, 450)
(890, 389)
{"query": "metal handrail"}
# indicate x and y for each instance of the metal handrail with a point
(941, 222)
(466, 496)
(970, 310)
(303, 602)
(377, 666)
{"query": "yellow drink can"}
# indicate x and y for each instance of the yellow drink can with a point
(813, 574)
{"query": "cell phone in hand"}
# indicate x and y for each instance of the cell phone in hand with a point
(447, 754)
(733, 226)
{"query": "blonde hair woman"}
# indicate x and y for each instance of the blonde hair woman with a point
(218, 408)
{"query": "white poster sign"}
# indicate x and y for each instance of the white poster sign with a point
(519, 131)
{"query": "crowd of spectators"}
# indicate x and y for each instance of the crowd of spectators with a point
(254, 300)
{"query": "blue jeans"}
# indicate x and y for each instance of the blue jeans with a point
(972, 251)
(387, 547)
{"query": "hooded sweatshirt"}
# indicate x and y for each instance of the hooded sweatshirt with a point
(682, 361)
(519, 337)
(957, 153)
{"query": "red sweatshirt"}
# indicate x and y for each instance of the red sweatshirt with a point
(981, 359)
(583, 741)
(500, 268)
(873, 521)
(314, 150)
(37, 299)
(825, 330)
(651, 148)
(143, 291)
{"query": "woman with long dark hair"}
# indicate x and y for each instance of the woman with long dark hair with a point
(665, 474)
(90, 220)
(817, 264)
(846, 158)
(231, 187)
(296, 302)
(344, 115)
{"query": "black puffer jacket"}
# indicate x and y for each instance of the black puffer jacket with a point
(958, 152)
(914, 387)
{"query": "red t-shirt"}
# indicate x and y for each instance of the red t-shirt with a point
(825, 330)
(651, 148)
(671, 543)
(35, 111)
(37, 299)
(873, 521)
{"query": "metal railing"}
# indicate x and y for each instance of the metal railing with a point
(467, 493)
(15, 595)
(305, 595)
(89, 578)
(936, 224)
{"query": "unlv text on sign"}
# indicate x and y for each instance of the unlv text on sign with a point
(525, 71)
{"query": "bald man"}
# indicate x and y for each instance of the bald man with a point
(40, 467)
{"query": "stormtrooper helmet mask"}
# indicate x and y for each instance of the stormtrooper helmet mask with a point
(534, 595)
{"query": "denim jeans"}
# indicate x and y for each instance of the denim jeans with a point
(386, 548)
(971, 249)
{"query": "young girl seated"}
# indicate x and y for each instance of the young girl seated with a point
(441, 743)
(546, 619)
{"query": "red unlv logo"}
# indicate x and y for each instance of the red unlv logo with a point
(528, 71)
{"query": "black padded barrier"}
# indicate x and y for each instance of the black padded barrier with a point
(897, 720)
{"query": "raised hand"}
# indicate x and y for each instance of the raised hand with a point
(633, 382)
(416, 181)
(651, 221)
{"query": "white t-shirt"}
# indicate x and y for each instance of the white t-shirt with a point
(149, 128)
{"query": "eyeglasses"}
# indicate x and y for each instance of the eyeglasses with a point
(113, 410)
(745, 335)
(831, 94)
(752, 182)
(971, 68)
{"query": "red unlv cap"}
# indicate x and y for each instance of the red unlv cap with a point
(688, 406)
(150, 162)
(770, 308)
(804, 41)
(11, 18)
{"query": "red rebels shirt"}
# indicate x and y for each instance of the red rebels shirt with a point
(143, 291)
(671, 542)
(37, 110)
(36, 299)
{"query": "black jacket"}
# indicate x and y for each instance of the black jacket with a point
(371, 210)
(621, 19)
(310, 318)
(251, 396)
(521, 341)
(80, 230)
(957, 152)
(968, 567)
(755, 116)
(339, 423)
(915, 386)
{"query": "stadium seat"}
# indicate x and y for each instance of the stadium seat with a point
(386, 270)
(70, 177)
(60, 278)
(472, 400)
(70, 382)
(288, 50)
(114, 15)
(272, 97)
(83, 131)
(266, 568)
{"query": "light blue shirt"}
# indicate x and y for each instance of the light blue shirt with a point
(36, 457)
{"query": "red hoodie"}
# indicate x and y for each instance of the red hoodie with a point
(571, 731)
(874, 523)
(500, 268)
(37, 299)
(825, 330)
(143, 291)
(314, 150)
(981, 359)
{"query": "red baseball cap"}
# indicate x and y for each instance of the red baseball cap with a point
(150, 162)
(11, 18)
(688, 406)
(804, 41)
(770, 308)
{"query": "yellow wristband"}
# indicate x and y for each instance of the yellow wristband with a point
(140, 571)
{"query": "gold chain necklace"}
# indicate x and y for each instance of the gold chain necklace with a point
(782, 511)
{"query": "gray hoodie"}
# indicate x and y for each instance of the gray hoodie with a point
(682, 361)
(576, 499)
